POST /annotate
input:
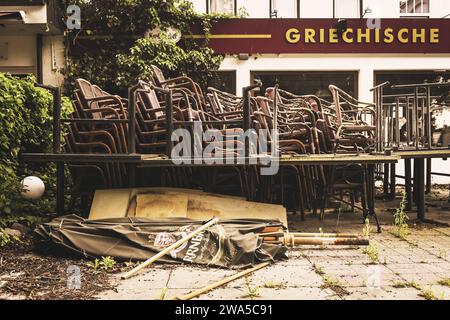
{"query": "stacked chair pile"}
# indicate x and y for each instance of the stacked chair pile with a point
(306, 125)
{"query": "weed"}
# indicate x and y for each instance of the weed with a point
(372, 253)
(333, 284)
(105, 264)
(366, 229)
(95, 265)
(444, 282)
(273, 285)
(252, 292)
(6, 239)
(442, 254)
(401, 220)
(428, 294)
(163, 293)
(318, 270)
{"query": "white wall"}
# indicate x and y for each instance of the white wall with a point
(199, 5)
(286, 8)
(21, 53)
(347, 9)
(256, 9)
(316, 9)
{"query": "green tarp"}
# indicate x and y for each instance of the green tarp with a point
(229, 244)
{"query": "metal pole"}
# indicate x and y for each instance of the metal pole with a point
(386, 179)
(169, 123)
(132, 120)
(428, 177)
(408, 184)
(420, 188)
(393, 181)
(56, 92)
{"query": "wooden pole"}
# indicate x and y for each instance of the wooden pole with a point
(222, 282)
(169, 249)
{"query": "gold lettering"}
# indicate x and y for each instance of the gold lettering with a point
(345, 36)
(322, 36)
(434, 35)
(377, 35)
(401, 35)
(416, 36)
(365, 35)
(389, 35)
(293, 35)
(333, 36)
(309, 35)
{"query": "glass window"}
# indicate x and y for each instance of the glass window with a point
(222, 6)
(412, 7)
(410, 77)
(224, 81)
(310, 82)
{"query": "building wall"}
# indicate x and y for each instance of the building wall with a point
(324, 8)
(21, 54)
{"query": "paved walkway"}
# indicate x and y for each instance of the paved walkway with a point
(391, 268)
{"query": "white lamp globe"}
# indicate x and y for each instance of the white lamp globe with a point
(32, 188)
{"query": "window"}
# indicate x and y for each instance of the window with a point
(310, 82)
(283, 8)
(414, 7)
(221, 6)
(410, 77)
(224, 81)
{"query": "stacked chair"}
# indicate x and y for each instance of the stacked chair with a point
(306, 124)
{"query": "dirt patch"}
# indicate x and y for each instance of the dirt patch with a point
(24, 273)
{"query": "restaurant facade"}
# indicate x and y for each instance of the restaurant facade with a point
(305, 46)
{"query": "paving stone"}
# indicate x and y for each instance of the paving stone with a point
(384, 293)
(291, 276)
(303, 293)
(194, 278)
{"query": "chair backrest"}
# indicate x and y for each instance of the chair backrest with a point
(86, 91)
(150, 100)
(158, 76)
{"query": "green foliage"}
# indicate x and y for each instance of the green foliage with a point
(106, 263)
(117, 42)
(252, 292)
(25, 124)
(401, 220)
(366, 229)
(372, 253)
(444, 282)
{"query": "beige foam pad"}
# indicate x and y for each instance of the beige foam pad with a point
(112, 203)
(201, 207)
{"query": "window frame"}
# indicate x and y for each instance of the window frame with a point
(415, 14)
(354, 73)
(208, 7)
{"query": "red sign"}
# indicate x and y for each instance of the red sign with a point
(388, 36)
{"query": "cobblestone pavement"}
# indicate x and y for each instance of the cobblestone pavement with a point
(391, 268)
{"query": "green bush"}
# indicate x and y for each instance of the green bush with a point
(25, 124)
(113, 51)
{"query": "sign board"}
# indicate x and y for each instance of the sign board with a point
(321, 36)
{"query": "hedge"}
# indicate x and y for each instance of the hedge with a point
(25, 125)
